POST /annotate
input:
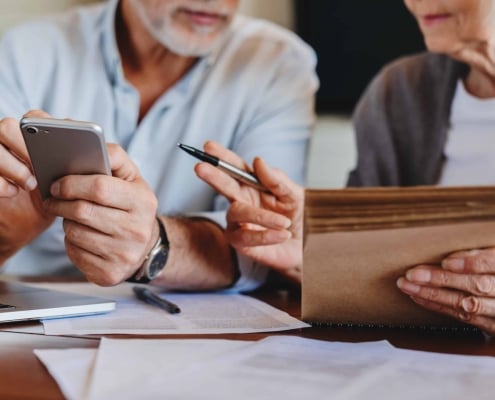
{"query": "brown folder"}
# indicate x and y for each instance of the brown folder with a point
(358, 242)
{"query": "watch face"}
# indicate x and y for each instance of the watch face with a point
(158, 262)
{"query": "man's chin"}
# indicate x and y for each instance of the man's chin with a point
(190, 47)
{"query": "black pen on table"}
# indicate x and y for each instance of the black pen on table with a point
(150, 297)
(233, 171)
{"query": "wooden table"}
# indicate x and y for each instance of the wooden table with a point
(22, 376)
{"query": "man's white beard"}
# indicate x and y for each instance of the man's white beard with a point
(196, 44)
(186, 45)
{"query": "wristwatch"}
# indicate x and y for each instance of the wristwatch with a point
(156, 259)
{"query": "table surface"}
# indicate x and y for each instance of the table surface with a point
(22, 376)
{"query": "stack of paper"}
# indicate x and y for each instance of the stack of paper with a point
(358, 242)
(201, 313)
(278, 367)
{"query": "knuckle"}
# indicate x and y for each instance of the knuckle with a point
(141, 235)
(442, 277)
(480, 263)
(471, 305)
(107, 276)
(257, 219)
(83, 211)
(106, 279)
(71, 233)
(130, 258)
(101, 189)
(150, 203)
(430, 294)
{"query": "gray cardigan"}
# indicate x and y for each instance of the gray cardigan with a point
(402, 120)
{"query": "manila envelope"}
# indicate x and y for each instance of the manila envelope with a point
(350, 277)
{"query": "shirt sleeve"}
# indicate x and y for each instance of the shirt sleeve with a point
(13, 99)
(251, 274)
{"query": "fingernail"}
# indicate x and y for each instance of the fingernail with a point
(407, 286)
(419, 275)
(453, 264)
(31, 183)
(55, 189)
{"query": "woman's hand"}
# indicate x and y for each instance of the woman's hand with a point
(463, 288)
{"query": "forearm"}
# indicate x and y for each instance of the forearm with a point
(199, 257)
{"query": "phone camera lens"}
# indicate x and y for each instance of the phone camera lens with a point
(32, 130)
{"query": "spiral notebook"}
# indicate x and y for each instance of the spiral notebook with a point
(358, 242)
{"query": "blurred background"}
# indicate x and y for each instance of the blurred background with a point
(353, 39)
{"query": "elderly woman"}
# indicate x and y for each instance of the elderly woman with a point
(424, 120)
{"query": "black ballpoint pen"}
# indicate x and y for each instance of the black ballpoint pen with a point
(236, 173)
(148, 296)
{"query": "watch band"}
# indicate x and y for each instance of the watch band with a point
(156, 259)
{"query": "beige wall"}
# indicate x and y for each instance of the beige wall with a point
(279, 11)
(14, 11)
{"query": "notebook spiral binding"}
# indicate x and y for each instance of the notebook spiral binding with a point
(440, 329)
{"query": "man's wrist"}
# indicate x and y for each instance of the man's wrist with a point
(156, 259)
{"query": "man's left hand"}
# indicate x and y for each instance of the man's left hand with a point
(109, 221)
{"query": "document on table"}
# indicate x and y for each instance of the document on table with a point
(144, 362)
(200, 314)
(276, 367)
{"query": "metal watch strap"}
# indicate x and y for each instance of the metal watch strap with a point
(141, 275)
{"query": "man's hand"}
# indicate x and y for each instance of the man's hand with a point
(265, 227)
(23, 217)
(109, 221)
(463, 288)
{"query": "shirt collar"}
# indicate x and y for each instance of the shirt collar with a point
(111, 56)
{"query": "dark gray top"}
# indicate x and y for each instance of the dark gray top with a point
(402, 120)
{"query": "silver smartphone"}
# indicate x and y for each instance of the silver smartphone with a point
(59, 147)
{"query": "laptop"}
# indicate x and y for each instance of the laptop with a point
(19, 302)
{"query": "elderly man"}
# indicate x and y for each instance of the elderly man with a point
(151, 73)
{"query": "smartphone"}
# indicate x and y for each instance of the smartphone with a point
(59, 147)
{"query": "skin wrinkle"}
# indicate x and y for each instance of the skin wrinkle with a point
(444, 278)
(479, 264)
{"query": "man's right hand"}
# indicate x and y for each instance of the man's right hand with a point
(265, 227)
(22, 216)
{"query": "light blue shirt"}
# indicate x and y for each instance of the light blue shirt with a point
(253, 95)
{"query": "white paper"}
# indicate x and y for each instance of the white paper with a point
(124, 367)
(71, 369)
(279, 367)
(295, 368)
(200, 314)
